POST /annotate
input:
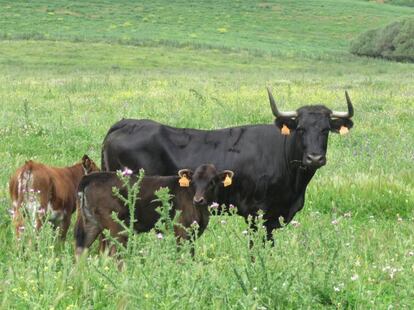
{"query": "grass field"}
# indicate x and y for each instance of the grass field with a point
(72, 69)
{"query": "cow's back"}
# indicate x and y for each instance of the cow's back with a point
(99, 199)
(128, 139)
(163, 150)
(30, 177)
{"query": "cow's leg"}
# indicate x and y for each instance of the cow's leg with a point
(64, 225)
(18, 221)
(115, 230)
(253, 228)
(43, 209)
(102, 243)
(270, 225)
(251, 220)
(180, 236)
(85, 234)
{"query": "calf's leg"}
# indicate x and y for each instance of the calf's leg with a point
(85, 234)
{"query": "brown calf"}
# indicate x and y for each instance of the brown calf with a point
(191, 197)
(38, 191)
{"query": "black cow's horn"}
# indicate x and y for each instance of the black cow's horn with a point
(276, 112)
(348, 114)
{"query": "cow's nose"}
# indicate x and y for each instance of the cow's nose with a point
(199, 200)
(315, 160)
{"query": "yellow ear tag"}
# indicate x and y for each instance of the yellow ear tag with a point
(343, 130)
(184, 181)
(285, 130)
(227, 181)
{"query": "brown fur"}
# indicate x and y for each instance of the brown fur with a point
(97, 203)
(48, 187)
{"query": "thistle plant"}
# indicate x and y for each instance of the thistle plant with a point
(128, 194)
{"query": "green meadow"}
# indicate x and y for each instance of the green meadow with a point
(69, 70)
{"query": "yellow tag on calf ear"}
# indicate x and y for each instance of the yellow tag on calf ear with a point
(227, 181)
(184, 181)
(343, 130)
(285, 130)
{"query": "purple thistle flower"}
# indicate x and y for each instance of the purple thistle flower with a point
(214, 205)
(127, 172)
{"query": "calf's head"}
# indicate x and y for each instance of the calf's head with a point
(206, 180)
(312, 125)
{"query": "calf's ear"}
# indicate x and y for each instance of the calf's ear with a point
(188, 173)
(185, 177)
(285, 124)
(86, 163)
(226, 176)
(341, 125)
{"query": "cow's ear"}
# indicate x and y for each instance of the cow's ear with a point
(341, 125)
(86, 163)
(285, 124)
(185, 177)
(226, 177)
(188, 173)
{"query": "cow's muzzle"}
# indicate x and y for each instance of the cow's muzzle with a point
(314, 160)
(199, 201)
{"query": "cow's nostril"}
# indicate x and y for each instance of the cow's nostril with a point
(198, 200)
(314, 159)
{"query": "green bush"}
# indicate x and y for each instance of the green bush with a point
(395, 42)
(401, 2)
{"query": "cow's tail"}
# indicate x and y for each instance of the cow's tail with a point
(104, 165)
(79, 231)
(23, 194)
(25, 188)
(25, 179)
(86, 227)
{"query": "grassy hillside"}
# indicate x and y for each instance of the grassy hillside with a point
(83, 67)
(282, 27)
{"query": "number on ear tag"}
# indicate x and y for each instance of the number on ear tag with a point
(285, 130)
(343, 130)
(227, 181)
(184, 181)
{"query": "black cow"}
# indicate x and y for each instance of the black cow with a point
(192, 193)
(272, 165)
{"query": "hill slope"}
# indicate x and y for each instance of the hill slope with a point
(283, 27)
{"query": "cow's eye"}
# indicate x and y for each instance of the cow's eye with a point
(300, 129)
